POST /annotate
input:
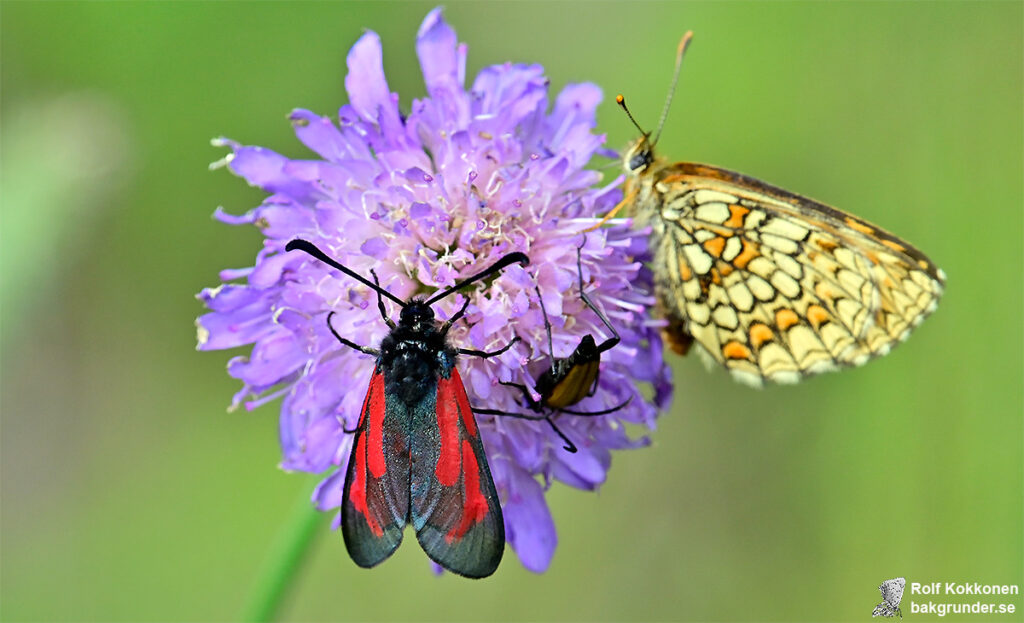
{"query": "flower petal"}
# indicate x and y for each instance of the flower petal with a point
(319, 134)
(442, 59)
(528, 524)
(366, 86)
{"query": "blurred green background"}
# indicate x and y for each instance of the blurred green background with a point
(129, 494)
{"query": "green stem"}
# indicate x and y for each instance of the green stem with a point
(284, 560)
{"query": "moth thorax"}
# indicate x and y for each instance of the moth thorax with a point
(410, 376)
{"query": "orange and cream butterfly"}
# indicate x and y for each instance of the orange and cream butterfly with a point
(767, 283)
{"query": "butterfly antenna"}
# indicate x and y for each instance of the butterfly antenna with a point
(621, 101)
(680, 51)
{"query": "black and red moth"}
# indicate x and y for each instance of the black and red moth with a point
(417, 456)
(568, 380)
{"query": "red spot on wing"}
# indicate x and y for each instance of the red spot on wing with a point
(374, 411)
(457, 461)
(475, 506)
(452, 406)
(468, 422)
(373, 418)
(448, 404)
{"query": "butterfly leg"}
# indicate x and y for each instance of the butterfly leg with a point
(628, 199)
(352, 345)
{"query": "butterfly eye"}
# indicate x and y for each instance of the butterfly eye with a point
(640, 160)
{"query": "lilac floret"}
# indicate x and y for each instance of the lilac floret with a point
(425, 199)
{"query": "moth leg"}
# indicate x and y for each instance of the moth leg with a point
(380, 301)
(533, 404)
(601, 412)
(569, 445)
(485, 355)
(352, 345)
(547, 323)
(458, 315)
(610, 342)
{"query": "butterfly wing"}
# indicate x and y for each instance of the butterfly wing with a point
(674, 334)
(892, 591)
(776, 286)
(375, 502)
(455, 507)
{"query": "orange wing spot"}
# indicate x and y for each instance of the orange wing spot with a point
(827, 245)
(725, 269)
(749, 252)
(759, 334)
(895, 246)
(685, 272)
(861, 227)
(824, 292)
(888, 283)
(672, 179)
(737, 214)
(786, 318)
(873, 257)
(715, 246)
(817, 316)
(923, 264)
(716, 277)
(735, 350)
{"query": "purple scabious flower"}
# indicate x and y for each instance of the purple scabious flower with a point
(425, 199)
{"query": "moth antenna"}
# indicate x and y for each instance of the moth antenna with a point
(680, 51)
(621, 101)
(308, 247)
(512, 258)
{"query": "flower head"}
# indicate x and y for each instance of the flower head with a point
(425, 199)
